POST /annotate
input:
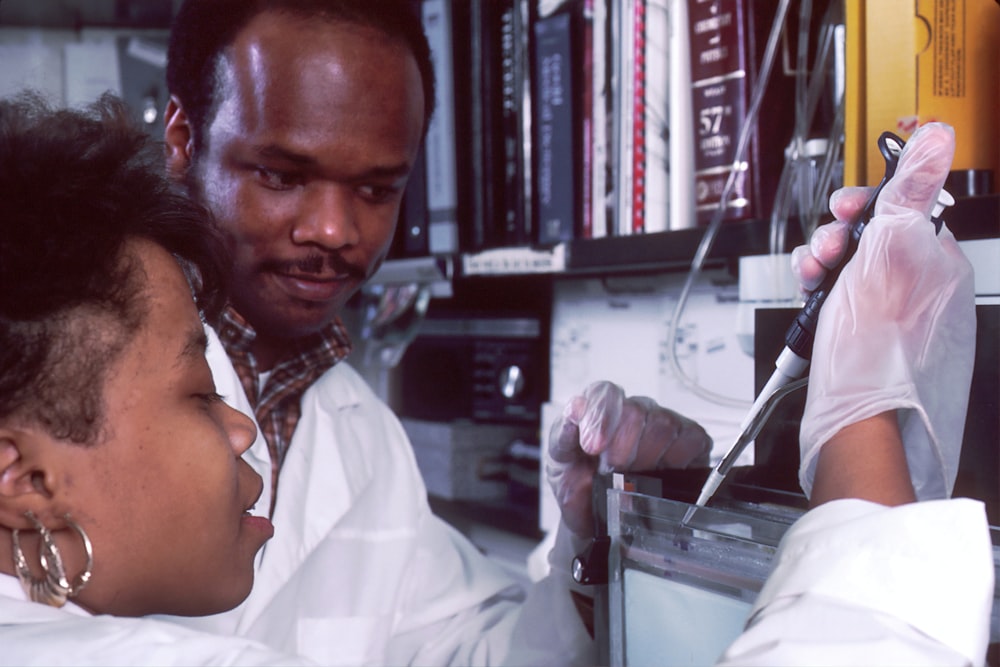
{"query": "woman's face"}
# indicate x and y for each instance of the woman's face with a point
(164, 493)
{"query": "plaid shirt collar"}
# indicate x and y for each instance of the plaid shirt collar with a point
(276, 405)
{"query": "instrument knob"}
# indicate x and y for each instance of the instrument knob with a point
(511, 381)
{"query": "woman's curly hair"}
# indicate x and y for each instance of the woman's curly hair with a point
(75, 186)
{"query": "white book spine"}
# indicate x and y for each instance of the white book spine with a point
(442, 187)
(658, 45)
(599, 119)
(624, 121)
(682, 204)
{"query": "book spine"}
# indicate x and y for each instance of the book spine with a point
(638, 157)
(599, 130)
(556, 131)
(494, 99)
(720, 81)
(523, 20)
(442, 190)
(587, 122)
(469, 51)
(657, 173)
(513, 63)
(681, 143)
(623, 20)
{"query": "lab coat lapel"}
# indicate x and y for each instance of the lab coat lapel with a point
(325, 469)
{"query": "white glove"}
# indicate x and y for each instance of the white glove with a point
(898, 329)
(603, 430)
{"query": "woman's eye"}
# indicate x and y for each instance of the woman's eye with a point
(210, 398)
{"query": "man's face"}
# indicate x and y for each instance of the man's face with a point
(305, 162)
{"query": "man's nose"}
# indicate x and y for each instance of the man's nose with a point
(327, 217)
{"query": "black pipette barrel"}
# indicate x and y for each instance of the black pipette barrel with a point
(802, 332)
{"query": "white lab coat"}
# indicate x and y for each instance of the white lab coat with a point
(361, 572)
(35, 634)
(856, 583)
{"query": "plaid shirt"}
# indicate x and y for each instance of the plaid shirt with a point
(277, 405)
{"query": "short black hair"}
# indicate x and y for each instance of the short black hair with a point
(203, 29)
(75, 186)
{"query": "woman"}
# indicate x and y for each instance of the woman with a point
(122, 490)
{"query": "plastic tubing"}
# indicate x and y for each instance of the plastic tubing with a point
(712, 231)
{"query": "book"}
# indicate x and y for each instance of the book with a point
(475, 56)
(440, 143)
(679, 126)
(654, 188)
(727, 39)
(597, 35)
(646, 172)
(587, 121)
(515, 121)
(556, 137)
(624, 114)
(641, 61)
(492, 84)
(662, 181)
(719, 73)
(635, 51)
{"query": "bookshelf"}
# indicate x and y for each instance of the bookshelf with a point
(601, 140)
(600, 27)
(971, 218)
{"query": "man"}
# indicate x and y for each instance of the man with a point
(297, 123)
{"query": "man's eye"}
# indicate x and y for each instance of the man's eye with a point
(378, 193)
(278, 180)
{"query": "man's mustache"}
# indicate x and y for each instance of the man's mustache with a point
(315, 264)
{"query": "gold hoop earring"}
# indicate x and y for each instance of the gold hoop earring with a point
(55, 588)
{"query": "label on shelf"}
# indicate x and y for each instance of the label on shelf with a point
(515, 261)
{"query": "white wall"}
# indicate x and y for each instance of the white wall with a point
(72, 67)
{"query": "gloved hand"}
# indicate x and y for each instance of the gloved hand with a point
(827, 244)
(603, 430)
(898, 329)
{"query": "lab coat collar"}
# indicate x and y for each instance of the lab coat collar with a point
(328, 466)
(32, 612)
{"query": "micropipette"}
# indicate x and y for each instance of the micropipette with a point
(791, 364)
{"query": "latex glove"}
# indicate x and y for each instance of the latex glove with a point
(605, 431)
(898, 329)
(827, 244)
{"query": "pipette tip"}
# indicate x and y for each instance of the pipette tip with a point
(711, 485)
(688, 514)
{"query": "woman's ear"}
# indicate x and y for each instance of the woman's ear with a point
(23, 476)
(178, 138)
(23, 483)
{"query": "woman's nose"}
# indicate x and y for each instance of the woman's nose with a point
(241, 430)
